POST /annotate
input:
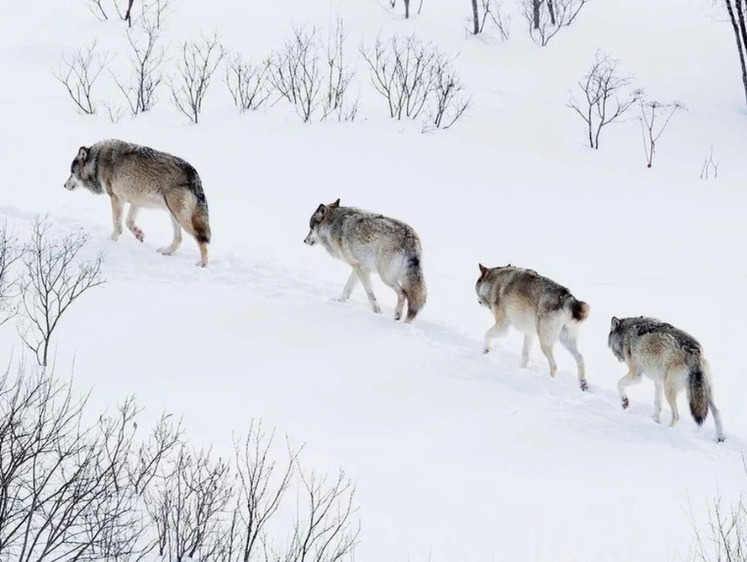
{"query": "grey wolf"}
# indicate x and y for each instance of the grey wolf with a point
(672, 358)
(369, 242)
(145, 178)
(532, 304)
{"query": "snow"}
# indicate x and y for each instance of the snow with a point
(457, 456)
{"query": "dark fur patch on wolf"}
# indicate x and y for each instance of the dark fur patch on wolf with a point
(684, 340)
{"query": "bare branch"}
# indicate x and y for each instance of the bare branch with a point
(199, 61)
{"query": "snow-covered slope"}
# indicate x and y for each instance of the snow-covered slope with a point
(457, 456)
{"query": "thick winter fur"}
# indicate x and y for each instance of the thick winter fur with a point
(532, 304)
(672, 358)
(369, 242)
(144, 177)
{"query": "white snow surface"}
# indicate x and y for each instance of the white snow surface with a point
(457, 456)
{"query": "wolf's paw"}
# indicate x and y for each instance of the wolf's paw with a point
(625, 403)
(167, 251)
(397, 316)
(201, 263)
(656, 418)
(485, 350)
(720, 438)
(377, 309)
(584, 385)
(137, 233)
(115, 236)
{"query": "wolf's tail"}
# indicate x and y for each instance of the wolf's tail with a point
(579, 310)
(200, 215)
(414, 287)
(698, 394)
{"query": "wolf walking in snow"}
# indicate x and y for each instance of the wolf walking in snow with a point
(369, 242)
(144, 177)
(532, 304)
(672, 358)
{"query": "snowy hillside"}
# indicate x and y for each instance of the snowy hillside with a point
(457, 456)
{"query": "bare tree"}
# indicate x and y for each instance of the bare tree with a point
(654, 118)
(545, 18)
(54, 278)
(9, 255)
(248, 83)
(79, 74)
(448, 103)
(315, 78)
(199, 61)
(146, 58)
(325, 530)
(606, 96)
(400, 71)
(490, 11)
(97, 9)
(414, 78)
(736, 12)
(261, 485)
(710, 167)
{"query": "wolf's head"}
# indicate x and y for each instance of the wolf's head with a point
(480, 285)
(83, 172)
(615, 338)
(321, 213)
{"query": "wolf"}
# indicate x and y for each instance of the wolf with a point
(144, 177)
(369, 242)
(532, 304)
(673, 359)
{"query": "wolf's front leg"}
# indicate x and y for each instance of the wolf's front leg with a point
(349, 286)
(497, 330)
(177, 240)
(365, 277)
(526, 350)
(130, 222)
(658, 391)
(633, 377)
(117, 206)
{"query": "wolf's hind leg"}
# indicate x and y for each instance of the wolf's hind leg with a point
(117, 208)
(633, 377)
(365, 277)
(176, 242)
(568, 341)
(716, 417)
(130, 222)
(548, 333)
(671, 393)
(658, 391)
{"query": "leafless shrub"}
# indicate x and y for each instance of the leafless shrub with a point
(97, 10)
(146, 58)
(54, 277)
(199, 61)
(314, 89)
(114, 112)
(324, 529)
(79, 74)
(248, 83)
(725, 538)
(490, 11)
(187, 503)
(710, 167)
(63, 482)
(448, 103)
(654, 118)
(9, 255)
(414, 76)
(546, 17)
(606, 96)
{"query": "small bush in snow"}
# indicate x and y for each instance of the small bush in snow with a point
(79, 74)
(198, 62)
(546, 17)
(146, 57)
(315, 78)
(248, 83)
(710, 167)
(606, 96)
(490, 11)
(654, 118)
(54, 277)
(10, 252)
(416, 78)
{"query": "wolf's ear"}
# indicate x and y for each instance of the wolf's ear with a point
(83, 153)
(335, 204)
(615, 323)
(321, 209)
(483, 269)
